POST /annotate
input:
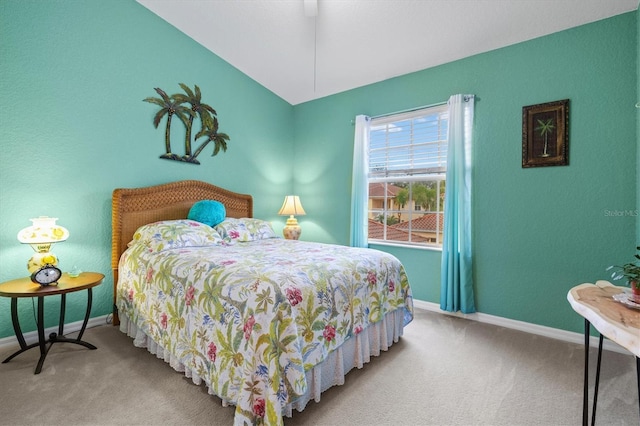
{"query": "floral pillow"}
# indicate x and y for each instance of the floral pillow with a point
(172, 234)
(245, 229)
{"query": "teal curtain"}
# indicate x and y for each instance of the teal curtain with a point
(359, 185)
(456, 287)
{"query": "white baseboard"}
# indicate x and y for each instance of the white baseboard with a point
(540, 330)
(32, 336)
(527, 327)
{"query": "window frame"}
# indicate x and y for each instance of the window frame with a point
(409, 177)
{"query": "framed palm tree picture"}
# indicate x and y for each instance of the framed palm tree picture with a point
(545, 134)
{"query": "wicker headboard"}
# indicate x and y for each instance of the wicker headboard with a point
(134, 207)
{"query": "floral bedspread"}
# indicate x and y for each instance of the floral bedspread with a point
(250, 318)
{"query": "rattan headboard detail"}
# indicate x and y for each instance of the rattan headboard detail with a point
(134, 207)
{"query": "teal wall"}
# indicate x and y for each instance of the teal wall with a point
(537, 231)
(73, 127)
(74, 74)
(638, 126)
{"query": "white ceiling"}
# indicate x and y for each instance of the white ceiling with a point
(352, 43)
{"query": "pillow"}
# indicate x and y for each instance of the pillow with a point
(210, 212)
(172, 234)
(245, 229)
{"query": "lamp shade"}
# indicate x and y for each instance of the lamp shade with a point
(292, 206)
(43, 231)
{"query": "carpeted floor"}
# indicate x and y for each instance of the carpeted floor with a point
(444, 371)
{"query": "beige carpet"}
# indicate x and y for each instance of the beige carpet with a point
(444, 371)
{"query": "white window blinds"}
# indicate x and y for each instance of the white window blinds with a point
(409, 145)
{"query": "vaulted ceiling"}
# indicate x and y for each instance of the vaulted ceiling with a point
(303, 53)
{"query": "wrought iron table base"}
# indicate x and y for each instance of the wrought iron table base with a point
(45, 344)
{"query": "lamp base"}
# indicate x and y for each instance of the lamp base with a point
(38, 260)
(292, 232)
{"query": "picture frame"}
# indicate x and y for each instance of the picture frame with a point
(545, 134)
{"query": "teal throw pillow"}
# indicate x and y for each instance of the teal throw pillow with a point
(210, 212)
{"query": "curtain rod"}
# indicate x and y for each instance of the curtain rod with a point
(466, 99)
(409, 110)
(403, 111)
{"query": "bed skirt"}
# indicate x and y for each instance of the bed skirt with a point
(355, 352)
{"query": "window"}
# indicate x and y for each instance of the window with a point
(407, 169)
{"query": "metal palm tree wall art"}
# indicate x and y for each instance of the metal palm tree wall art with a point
(176, 105)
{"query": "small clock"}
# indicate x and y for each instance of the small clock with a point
(47, 275)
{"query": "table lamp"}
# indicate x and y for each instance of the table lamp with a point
(291, 207)
(40, 236)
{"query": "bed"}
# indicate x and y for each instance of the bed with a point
(267, 324)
